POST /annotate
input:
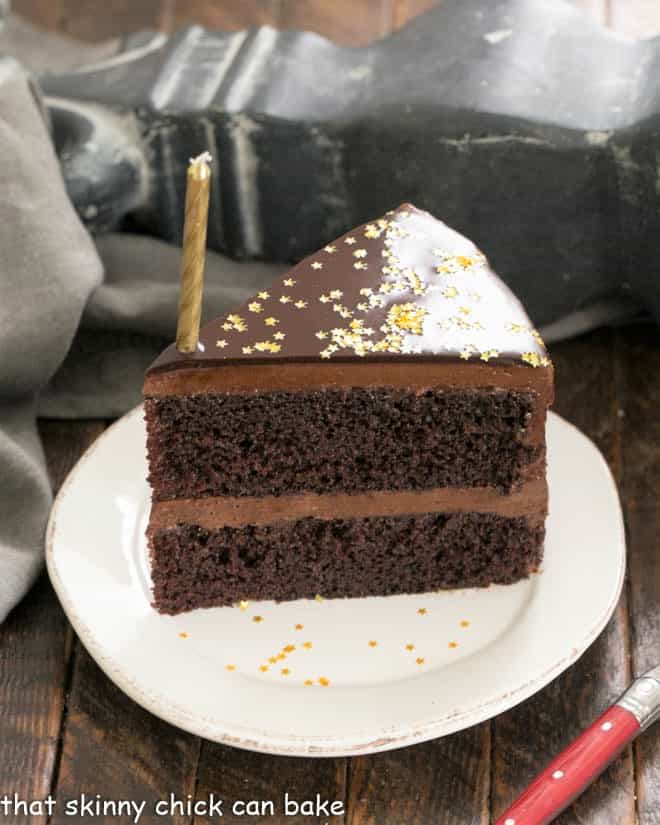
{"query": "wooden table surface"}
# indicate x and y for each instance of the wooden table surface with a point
(65, 728)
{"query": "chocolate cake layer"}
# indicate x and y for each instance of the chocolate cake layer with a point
(349, 440)
(378, 556)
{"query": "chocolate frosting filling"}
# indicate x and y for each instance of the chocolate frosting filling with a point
(211, 513)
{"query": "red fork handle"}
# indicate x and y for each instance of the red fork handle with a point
(574, 769)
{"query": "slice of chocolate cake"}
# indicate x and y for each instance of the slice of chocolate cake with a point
(373, 423)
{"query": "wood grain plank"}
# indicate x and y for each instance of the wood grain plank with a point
(241, 775)
(641, 483)
(527, 737)
(89, 20)
(635, 18)
(35, 646)
(345, 22)
(444, 782)
(225, 16)
(113, 748)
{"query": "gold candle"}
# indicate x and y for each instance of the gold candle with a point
(194, 252)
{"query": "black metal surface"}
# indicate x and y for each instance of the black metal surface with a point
(522, 123)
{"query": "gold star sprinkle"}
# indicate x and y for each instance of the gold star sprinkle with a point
(183, 635)
(422, 611)
(307, 645)
(488, 354)
(271, 322)
(450, 292)
(255, 306)
(465, 623)
(420, 660)
(452, 645)
(464, 261)
(285, 299)
(366, 291)
(263, 668)
(324, 299)
(244, 605)
(230, 667)
(373, 643)
(465, 354)
(247, 350)
(308, 683)
(330, 248)
(324, 682)
(272, 660)
(278, 336)
(360, 253)
(318, 597)
(321, 335)
(263, 295)
(359, 265)
(350, 240)
(410, 646)
(227, 326)
(221, 343)
(408, 317)
(298, 627)
(300, 304)
(289, 282)
(237, 322)
(285, 671)
(465, 310)
(534, 359)
(335, 294)
(317, 265)
(257, 619)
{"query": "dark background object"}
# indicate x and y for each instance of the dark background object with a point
(522, 123)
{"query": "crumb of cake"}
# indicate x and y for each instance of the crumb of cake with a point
(465, 623)
(410, 646)
(285, 671)
(298, 626)
(324, 682)
(257, 619)
(452, 645)
(420, 660)
(373, 643)
(289, 648)
(307, 645)
(422, 611)
(263, 668)
(308, 683)
(183, 635)
(230, 667)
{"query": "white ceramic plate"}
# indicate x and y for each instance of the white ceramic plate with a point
(475, 652)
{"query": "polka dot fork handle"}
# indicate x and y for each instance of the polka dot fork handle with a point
(570, 773)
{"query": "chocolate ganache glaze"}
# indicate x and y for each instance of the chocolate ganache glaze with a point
(404, 287)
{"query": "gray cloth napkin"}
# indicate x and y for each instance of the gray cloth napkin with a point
(78, 324)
